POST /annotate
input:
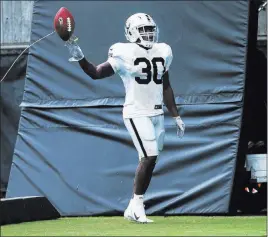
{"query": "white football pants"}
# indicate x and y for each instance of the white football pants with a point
(147, 134)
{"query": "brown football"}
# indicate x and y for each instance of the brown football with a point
(64, 23)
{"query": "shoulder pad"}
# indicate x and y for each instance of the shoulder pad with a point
(115, 50)
(167, 49)
(167, 52)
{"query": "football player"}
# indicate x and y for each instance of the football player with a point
(143, 65)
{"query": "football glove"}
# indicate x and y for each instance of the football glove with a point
(74, 49)
(180, 126)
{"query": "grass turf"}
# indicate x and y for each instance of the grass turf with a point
(163, 226)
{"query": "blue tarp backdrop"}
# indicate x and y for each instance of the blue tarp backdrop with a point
(72, 146)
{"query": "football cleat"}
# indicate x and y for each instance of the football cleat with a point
(140, 28)
(135, 212)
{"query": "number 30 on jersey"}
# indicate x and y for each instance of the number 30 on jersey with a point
(148, 70)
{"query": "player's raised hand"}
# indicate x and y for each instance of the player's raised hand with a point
(64, 25)
(74, 49)
(180, 126)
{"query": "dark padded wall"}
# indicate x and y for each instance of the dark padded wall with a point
(11, 97)
(81, 157)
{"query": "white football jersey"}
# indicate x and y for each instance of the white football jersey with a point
(141, 71)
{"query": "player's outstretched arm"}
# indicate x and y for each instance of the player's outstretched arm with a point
(95, 72)
(169, 101)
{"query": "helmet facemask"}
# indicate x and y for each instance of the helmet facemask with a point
(148, 35)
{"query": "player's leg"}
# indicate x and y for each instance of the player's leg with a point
(143, 135)
(149, 164)
(143, 175)
(144, 138)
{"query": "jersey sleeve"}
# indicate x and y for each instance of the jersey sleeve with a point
(114, 57)
(169, 57)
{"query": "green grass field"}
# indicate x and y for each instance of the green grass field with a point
(163, 226)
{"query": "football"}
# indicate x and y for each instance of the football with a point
(64, 23)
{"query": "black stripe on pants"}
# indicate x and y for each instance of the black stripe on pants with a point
(138, 137)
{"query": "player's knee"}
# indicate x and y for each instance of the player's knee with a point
(149, 161)
(150, 149)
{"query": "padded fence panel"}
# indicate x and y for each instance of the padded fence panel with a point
(88, 155)
(208, 40)
(11, 97)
